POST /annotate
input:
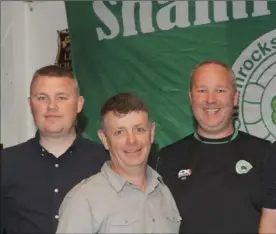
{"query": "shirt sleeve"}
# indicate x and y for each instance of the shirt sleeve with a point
(270, 180)
(75, 214)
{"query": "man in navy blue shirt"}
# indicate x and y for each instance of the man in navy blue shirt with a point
(37, 174)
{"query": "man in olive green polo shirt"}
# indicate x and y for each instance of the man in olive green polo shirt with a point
(127, 196)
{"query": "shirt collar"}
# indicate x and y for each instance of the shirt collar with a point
(118, 182)
(75, 143)
(223, 140)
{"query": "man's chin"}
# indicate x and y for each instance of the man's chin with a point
(214, 128)
(136, 163)
(53, 131)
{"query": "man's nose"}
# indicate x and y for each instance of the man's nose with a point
(131, 138)
(211, 98)
(52, 104)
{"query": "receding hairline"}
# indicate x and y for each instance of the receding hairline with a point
(53, 71)
(122, 104)
(38, 76)
(121, 115)
(218, 63)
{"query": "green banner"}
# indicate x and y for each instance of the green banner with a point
(150, 48)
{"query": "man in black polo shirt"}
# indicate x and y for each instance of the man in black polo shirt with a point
(268, 220)
(37, 174)
(215, 173)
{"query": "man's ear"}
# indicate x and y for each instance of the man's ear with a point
(30, 104)
(190, 96)
(29, 101)
(152, 132)
(80, 103)
(103, 139)
(236, 98)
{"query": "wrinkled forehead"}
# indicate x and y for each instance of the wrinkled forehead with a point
(113, 119)
(212, 74)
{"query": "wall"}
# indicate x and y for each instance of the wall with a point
(28, 42)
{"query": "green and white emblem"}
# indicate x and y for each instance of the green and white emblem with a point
(243, 167)
(255, 71)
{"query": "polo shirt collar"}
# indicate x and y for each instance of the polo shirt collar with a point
(118, 182)
(219, 141)
(75, 143)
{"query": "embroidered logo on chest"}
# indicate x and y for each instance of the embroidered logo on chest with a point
(183, 174)
(243, 167)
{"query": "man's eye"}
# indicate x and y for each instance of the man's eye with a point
(118, 133)
(62, 98)
(201, 91)
(140, 129)
(220, 90)
(40, 98)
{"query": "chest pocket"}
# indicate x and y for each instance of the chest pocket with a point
(172, 223)
(127, 222)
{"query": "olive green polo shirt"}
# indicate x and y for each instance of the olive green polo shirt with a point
(107, 203)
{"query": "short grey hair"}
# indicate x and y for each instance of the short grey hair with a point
(224, 65)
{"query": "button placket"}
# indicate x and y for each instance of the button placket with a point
(56, 188)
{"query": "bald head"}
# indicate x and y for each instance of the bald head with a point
(213, 64)
(213, 97)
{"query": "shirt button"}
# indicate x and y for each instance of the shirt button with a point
(153, 220)
(56, 165)
(56, 190)
(56, 216)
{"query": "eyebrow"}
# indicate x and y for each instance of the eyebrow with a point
(45, 94)
(217, 86)
(63, 93)
(39, 94)
(136, 125)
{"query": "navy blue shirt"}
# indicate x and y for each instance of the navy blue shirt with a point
(34, 182)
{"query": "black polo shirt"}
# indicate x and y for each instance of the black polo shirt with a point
(216, 183)
(34, 182)
(270, 181)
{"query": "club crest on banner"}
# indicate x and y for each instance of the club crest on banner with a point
(255, 71)
(64, 56)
